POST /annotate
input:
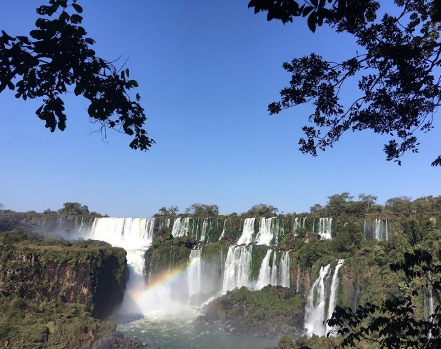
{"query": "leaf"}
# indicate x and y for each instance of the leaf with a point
(37, 34)
(314, 2)
(11, 85)
(307, 10)
(133, 83)
(76, 19)
(77, 8)
(312, 21)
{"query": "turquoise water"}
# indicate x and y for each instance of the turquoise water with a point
(167, 331)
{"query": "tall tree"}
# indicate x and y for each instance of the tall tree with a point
(203, 210)
(56, 57)
(397, 67)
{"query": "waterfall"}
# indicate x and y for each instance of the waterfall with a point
(194, 273)
(237, 268)
(204, 231)
(298, 278)
(265, 271)
(334, 288)
(135, 235)
(285, 277)
(315, 306)
(430, 311)
(296, 225)
(325, 228)
(270, 273)
(247, 232)
(180, 227)
(264, 235)
(381, 229)
(316, 313)
(223, 230)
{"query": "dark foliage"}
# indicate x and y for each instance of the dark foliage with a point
(57, 57)
(397, 68)
(393, 324)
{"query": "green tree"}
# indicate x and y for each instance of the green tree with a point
(399, 204)
(396, 67)
(393, 323)
(202, 210)
(262, 210)
(368, 201)
(171, 211)
(57, 56)
(73, 208)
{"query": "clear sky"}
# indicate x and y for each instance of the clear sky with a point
(206, 72)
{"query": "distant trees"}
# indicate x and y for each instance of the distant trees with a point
(203, 210)
(262, 210)
(171, 211)
(73, 208)
(399, 204)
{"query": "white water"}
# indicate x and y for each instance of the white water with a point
(285, 275)
(237, 268)
(264, 235)
(247, 232)
(204, 230)
(223, 230)
(180, 227)
(270, 273)
(315, 306)
(265, 271)
(333, 295)
(194, 273)
(381, 229)
(325, 228)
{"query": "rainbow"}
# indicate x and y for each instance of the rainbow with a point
(161, 279)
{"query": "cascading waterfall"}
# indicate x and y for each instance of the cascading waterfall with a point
(318, 297)
(430, 311)
(194, 273)
(325, 228)
(334, 288)
(285, 276)
(315, 306)
(135, 235)
(298, 278)
(204, 230)
(296, 225)
(247, 232)
(237, 268)
(129, 233)
(270, 274)
(381, 229)
(264, 235)
(223, 230)
(180, 227)
(265, 271)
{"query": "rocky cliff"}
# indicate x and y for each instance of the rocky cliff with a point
(49, 291)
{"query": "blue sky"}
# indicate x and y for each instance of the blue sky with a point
(206, 72)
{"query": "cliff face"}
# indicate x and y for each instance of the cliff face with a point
(270, 312)
(93, 274)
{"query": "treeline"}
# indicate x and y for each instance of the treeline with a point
(337, 205)
(68, 209)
